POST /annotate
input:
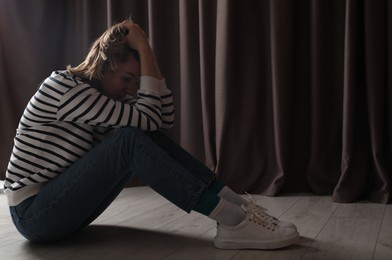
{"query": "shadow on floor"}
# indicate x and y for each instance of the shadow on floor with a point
(111, 242)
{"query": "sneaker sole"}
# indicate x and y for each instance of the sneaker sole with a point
(251, 244)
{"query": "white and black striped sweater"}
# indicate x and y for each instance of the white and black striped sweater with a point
(66, 117)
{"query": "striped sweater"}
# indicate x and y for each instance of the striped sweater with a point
(66, 117)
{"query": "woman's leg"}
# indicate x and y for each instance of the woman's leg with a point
(196, 167)
(78, 195)
(73, 199)
(210, 202)
(182, 157)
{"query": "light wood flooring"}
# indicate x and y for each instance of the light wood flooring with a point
(142, 225)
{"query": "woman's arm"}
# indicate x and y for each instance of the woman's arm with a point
(167, 106)
(84, 104)
(136, 39)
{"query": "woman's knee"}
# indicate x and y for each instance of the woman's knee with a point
(129, 132)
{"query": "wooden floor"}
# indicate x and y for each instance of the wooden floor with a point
(142, 225)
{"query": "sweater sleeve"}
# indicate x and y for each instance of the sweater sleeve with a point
(167, 106)
(84, 104)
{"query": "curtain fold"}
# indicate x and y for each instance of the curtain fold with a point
(375, 57)
(355, 157)
(282, 88)
(366, 149)
(207, 33)
(326, 50)
(275, 96)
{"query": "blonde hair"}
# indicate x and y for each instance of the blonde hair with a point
(107, 52)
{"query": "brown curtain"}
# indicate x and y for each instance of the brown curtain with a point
(275, 96)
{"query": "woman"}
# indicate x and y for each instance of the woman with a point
(82, 137)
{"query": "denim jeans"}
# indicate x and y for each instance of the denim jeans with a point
(80, 194)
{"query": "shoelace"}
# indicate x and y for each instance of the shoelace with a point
(259, 219)
(260, 210)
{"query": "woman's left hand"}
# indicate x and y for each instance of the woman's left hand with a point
(136, 38)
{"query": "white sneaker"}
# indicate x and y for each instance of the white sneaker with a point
(263, 213)
(254, 232)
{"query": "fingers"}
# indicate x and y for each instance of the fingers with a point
(130, 26)
(135, 36)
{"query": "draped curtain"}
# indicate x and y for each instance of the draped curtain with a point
(275, 96)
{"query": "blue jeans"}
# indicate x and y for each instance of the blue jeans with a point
(80, 194)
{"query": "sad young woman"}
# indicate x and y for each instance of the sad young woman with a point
(89, 129)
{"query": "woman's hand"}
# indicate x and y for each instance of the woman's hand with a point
(135, 36)
(137, 39)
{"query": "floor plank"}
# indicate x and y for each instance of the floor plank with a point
(384, 242)
(351, 233)
(167, 239)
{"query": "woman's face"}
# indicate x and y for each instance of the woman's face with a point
(122, 81)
